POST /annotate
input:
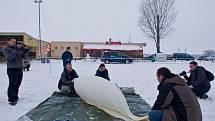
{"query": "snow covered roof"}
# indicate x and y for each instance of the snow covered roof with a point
(112, 47)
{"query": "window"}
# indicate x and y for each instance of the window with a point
(17, 37)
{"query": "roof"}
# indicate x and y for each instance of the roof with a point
(112, 47)
(20, 33)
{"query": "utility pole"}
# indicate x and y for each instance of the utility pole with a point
(40, 41)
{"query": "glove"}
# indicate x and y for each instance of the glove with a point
(183, 73)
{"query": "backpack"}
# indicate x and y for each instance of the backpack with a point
(209, 75)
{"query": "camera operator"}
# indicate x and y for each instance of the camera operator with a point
(198, 79)
(14, 54)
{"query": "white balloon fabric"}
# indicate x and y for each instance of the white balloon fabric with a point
(106, 96)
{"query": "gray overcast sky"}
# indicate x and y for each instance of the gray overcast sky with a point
(98, 20)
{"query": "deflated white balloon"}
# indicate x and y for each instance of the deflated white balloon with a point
(106, 96)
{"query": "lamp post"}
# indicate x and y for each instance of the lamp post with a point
(40, 41)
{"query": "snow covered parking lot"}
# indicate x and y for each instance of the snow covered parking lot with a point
(39, 83)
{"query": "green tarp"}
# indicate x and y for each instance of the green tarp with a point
(63, 108)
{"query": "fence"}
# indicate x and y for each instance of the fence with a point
(94, 59)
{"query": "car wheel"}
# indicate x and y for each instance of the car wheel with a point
(127, 62)
(106, 61)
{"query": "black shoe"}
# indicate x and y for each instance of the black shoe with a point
(13, 103)
(205, 96)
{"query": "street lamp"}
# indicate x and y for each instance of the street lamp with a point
(40, 41)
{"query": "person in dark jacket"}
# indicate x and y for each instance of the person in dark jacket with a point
(67, 57)
(14, 54)
(176, 101)
(26, 64)
(66, 83)
(198, 79)
(102, 72)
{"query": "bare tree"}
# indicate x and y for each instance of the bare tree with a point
(157, 18)
(209, 53)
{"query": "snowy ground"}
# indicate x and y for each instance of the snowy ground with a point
(39, 84)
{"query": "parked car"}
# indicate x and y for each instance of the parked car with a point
(151, 57)
(182, 56)
(115, 57)
(203, 58)
(169, 57)
(206, 58)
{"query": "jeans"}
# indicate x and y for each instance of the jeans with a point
(27, 67)
(200, 90)
(15, 78)
(155, 115)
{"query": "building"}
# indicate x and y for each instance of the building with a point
(95, 49)
(26, 39)
(78, 49)
(58, 47)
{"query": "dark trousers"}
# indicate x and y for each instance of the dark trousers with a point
(15, 78)
(66, 62)
(155, 115)
(27, 67)
(200, 90)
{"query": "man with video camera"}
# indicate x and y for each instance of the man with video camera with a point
(14, 54)
(199, 79)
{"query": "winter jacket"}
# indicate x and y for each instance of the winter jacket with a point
(67, 57)
(198, 78)
(103, 74)
(177, 101)
(14, 56)
(67, 79)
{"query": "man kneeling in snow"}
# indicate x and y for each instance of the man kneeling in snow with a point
(176, 101)
(66, 83)
(102, 72)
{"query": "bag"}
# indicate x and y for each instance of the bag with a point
(209, 75)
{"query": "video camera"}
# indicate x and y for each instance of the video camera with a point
(184, 73)
(23, 47)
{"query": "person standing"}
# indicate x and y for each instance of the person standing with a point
(102, 72)
(175, 101)
(14, 54)
(67, 57)
(27, 64)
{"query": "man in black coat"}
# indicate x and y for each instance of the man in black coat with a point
(14, 54)
(67, 57)
(102, 72)
(198, 79)
(66, 83)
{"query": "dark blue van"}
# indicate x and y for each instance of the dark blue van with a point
(182, 56)
(115, 57)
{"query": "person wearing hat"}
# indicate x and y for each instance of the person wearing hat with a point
(102, 72)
